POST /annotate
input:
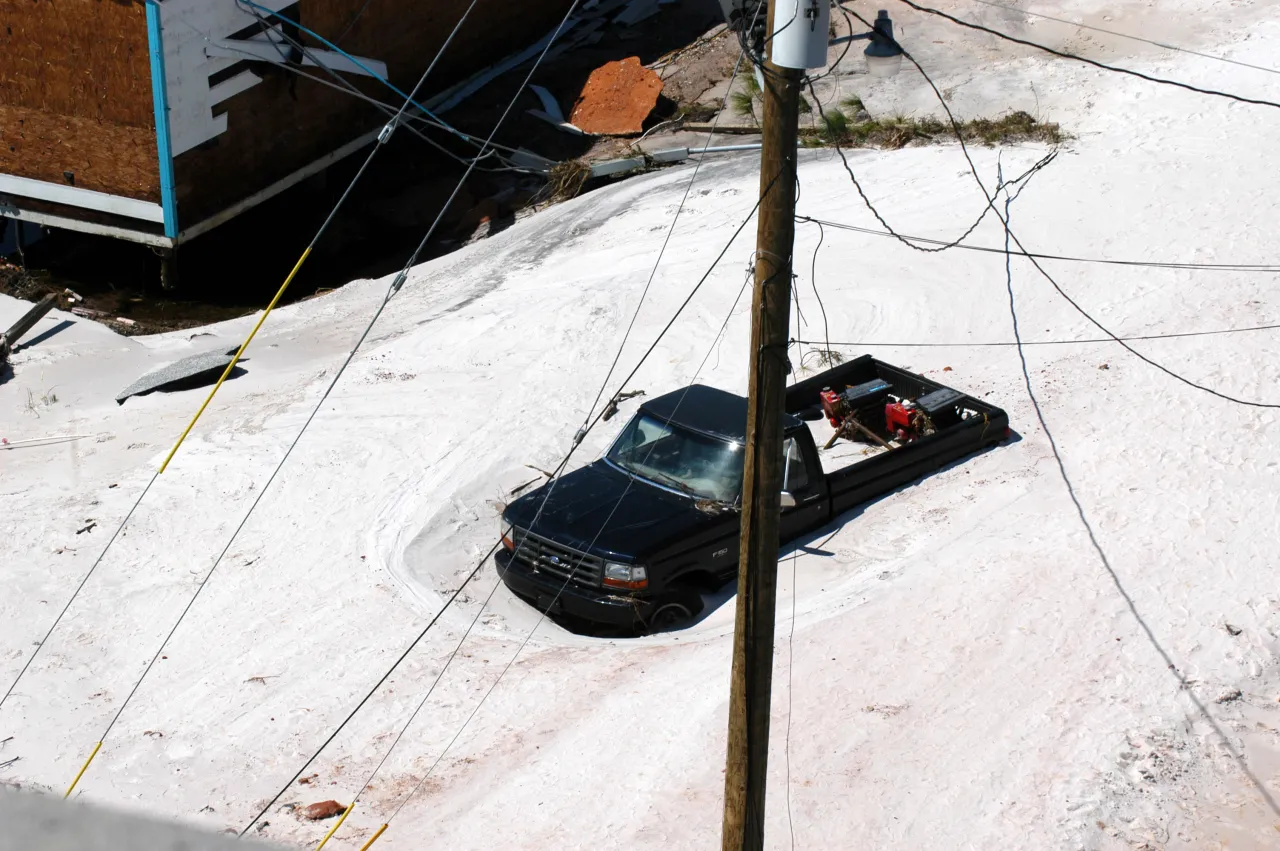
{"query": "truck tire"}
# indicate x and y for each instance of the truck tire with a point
(673, 610)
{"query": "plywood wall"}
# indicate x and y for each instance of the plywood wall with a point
(272, 131)
(75, 95)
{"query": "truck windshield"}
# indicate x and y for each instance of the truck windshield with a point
(672, 457)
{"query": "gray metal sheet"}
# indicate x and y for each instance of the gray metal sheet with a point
(182, 375)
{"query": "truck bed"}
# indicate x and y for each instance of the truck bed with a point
(856, 471)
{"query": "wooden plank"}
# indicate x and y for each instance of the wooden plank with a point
(75, 96)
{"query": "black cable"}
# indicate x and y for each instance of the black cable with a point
(345, 85)
(1183, 684)
(76, 593)
(973, 170)
(1148, 264)
(1162, 44)
(1064, 55)
(822, 113)
(352, 23)
(813, 279)
(1089, 340)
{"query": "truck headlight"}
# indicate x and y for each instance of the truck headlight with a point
(508, 534)
(629, 576)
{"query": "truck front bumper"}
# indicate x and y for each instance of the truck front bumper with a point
(550, 594)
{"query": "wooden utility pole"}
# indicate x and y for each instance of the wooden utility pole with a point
(752, 678)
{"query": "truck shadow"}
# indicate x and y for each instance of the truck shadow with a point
(811, 543)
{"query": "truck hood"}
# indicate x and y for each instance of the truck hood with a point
(578, 511)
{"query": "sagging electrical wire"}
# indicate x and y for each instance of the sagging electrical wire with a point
(991, 204)
(1149, 264)
(1138, 38)
(344, 85)
(907, 241)
(1009, 343)
(1184, 685)
(1062, 54)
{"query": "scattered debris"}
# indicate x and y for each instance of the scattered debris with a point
(263, 679)
(153, 734)
(612, 408)
(116, 485)
(519, 488)
(1230, 696)
(551, 112)
(1105, 366)
(888, 710)
(207, 809)
(307, 780)
(539, 470)
(617, 98)
(189, 372)
(88, 528)
(10, 762)
(323, 810)
(1232, 630)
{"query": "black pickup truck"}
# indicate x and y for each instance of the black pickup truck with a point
(632, 539)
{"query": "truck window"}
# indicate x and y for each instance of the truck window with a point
(795, 477)
(672, 457)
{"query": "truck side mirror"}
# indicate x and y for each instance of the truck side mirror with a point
(787, 500)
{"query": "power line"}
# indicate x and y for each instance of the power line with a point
(1005, 344)
(1162, 44)
(1064, 55)
(973, 170)
(1148, 264)
(1106, 562)
(1184, 684)
(822, 114)
(394, 288)
(306, 252)
(346, 86)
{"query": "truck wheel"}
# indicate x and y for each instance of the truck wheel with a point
(673, 610)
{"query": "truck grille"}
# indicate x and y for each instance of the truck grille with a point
(554, 559)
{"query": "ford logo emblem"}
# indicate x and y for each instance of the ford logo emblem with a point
(554, 560)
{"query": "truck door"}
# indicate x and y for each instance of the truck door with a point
(806, 486)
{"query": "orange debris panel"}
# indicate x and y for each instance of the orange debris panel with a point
(617, 98)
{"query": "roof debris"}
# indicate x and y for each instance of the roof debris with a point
(617, 98)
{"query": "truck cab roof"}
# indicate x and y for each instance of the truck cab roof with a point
(708, 411)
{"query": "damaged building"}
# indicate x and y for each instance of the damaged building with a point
(156, 122)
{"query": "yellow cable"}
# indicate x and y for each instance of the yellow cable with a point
(334, 829)
(236, 359)
(373, 838)
(83, 769)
